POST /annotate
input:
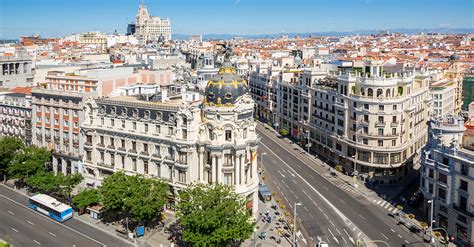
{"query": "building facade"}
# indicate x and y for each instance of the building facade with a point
(151, 28)
(16, 70)
(447, 177)
(56, 120)
(15, 115)
(174, 139)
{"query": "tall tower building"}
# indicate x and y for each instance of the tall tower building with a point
(151, 28)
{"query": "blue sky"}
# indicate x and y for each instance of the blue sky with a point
(62, 17)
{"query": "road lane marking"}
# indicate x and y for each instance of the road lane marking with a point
(52, 234)
(362, 217)
(392, 230)
(325, 215)
(406, 241)
(281, 174)
(350, 238)
(337, 230)
(310, 214)
(10, 212)
(55, 222)
(334, 208)
(36, 242)
(311, 176)
(330, 221)
(305, 208)
(400, 236)
(333, 237)
(14, 229)
(326, 187)
(342, 201)
(31, 223)
(384, 236)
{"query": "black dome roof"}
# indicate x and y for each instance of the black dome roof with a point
(226, 87)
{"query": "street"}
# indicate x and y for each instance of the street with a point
(22, 226)
(328, 212)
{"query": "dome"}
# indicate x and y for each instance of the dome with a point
(225, 87)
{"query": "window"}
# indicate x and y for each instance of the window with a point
(123, 143)
(102, 121)
(381, 107)
(89, 156)
(366, 106)
(112, 122)
(394, 142)
(430, 173)
(394, 107)
(76, 125)
(366, 118)
(442, 178)
(365, 129)
(145, 147)
(228, 135)
(123, 161)
(157, 129)
(227, 179)
(463, 185)
(134, 125)
(102, 160)
(112, 142)
(66, 123)
(394, 131)
(146, 127)
(157, 150)
(75, 113)
(380, 143)
(134, 146)
(380, 131)
(182, 176)
(380, 119)
(170, 130)
(365, 141)
(430, 188)
(102, 140)
(134, 164)
(463, 203)
(442, 194)
(112, 159)
(145, 166)
(185, 133)
(123, 123)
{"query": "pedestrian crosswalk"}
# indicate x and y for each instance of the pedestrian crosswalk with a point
(347, 187)
(385, 205)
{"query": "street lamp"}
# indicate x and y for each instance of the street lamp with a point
(308, 144)
(431, 220)
(294, 223)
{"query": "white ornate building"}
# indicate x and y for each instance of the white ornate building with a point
(447, 177)
(177, 140)
(151, 28)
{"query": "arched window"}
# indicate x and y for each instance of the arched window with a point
(387, 94)
(362, 91)
(370, 92)
(400, 91)
(379, 92)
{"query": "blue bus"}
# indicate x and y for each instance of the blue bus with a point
(51, 207)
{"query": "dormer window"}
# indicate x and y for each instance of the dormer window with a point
(228, 135)
(124, 111)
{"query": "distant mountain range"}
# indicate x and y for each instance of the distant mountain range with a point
(331, 33)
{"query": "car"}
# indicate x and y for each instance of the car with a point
(322, 244)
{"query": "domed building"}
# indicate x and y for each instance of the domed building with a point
(228, 141)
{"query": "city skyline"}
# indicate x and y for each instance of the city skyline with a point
(57, 18)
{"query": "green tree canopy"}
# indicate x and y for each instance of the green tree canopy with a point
(213, 215)
(142, 198)
(43, 181)
(146, 198)
(113, 190)
(9, 146)
(86, 198)
(67, 183)
(28, 162)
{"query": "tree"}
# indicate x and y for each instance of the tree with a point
(113, 190)
(67, 183)
(9, 146)
(146, 198)
(43, 181)
(86, 198)
(28, 162)
(213, 215)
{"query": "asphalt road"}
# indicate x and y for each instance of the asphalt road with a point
(327, 212)
(22, 226)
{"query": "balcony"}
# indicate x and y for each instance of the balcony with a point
(108, 166)
(394, 124)
(463, 210)
(379, 124)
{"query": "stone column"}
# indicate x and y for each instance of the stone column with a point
(55, 165)
(219, 168)
(236, 170)
(63, 165)
(214, 168)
